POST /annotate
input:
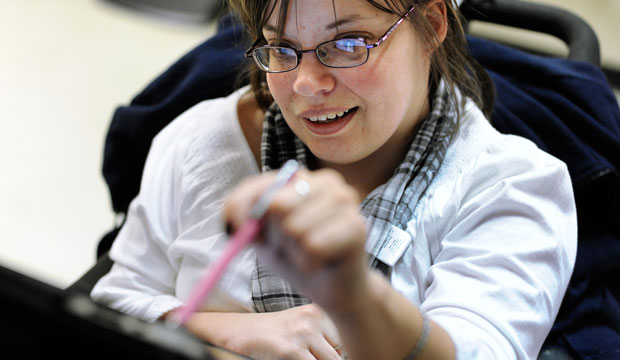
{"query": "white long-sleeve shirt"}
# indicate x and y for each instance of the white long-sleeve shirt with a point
(492, 253)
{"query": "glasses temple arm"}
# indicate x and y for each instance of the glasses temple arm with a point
(391, 29)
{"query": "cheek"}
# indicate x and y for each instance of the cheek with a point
(372, 85)
(280, 87)
(386, 87)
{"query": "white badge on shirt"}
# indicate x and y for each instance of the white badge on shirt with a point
(397, 242)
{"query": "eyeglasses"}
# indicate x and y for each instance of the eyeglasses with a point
(339, 53)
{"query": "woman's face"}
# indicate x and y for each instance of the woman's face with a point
(382, 100)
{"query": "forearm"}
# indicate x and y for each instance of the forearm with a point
(289, 334)
(385, 325)
(216, 328)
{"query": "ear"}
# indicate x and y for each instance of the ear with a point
(436, 14)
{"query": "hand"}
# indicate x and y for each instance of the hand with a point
(304, 332)
(315, 240)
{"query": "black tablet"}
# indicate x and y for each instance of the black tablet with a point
(41, 320)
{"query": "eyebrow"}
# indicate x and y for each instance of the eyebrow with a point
(343, 21)
(330, 26)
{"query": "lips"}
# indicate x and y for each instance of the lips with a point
(330, 122)
(329, 117)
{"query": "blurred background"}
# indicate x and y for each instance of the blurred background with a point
(65, 65)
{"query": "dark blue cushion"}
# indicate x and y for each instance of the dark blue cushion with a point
(568, 109)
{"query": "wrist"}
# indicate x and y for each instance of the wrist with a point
(372, 290)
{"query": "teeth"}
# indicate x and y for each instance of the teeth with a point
(328, 116)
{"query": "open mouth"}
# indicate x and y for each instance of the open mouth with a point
(330, 117)
(329, 124)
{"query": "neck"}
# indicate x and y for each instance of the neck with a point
(374, 170)
(251, 121)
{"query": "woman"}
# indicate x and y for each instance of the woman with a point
(471, 234)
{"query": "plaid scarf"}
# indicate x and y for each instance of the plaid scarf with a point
(388, 209)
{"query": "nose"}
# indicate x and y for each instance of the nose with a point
(312, 77)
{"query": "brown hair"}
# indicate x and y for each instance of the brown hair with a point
(450, 60)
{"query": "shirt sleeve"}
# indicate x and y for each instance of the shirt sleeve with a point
(506, 236)
(141, 282)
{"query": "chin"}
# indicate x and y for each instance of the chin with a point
(337, 157)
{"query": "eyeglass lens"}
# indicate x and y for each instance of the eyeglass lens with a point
(337, 53)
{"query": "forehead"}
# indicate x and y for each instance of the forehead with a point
(328, 14)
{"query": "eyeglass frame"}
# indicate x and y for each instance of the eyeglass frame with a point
(299, 53)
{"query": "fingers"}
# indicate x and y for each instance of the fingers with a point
(323, 343)
(324, 221)
(313, 234)
(238, 204)
(330, 332)
(323, 350)
(317, 348)
(317, 210)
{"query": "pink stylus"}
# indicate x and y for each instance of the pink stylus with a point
(240, 239)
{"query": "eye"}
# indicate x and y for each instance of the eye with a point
(322, 53)
(283, 51)
(354, 36)
(349, 45)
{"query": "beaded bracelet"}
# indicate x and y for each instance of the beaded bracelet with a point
(419, 346)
